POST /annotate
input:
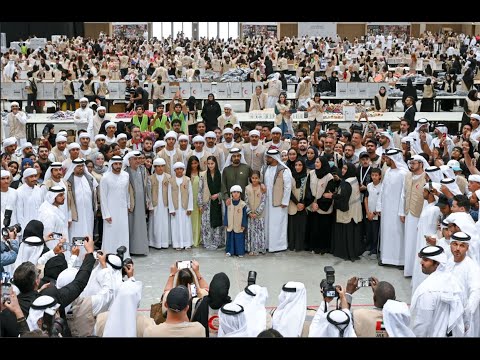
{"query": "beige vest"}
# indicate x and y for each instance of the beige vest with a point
(158, 91)
(462, 184)
(102, 89)
(414, 195)
(176, 158)
(221, 120)
(88, 89)
(17, 129)
(83, 322)
(216, 153)
(382, 100)
(317, 187)
(155, 184)
(254, 158)
(278, 188)
(58, 154)
(365, 323)
(235, 217)
(49, 183)
(254, 199)
(226, 151)
(206, 191)
(183, 191)
(304, 90)
(66, 88)
(299, 195)
(354, 205)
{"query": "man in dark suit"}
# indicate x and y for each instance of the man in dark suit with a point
(409, 115)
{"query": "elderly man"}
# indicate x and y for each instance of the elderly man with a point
(437, 305)
(170, 154)
(139, 201)
(29, 198)
(83, 117)
(136, 142)
(59, 151)
(278, 181)
(52, 216)
(16, 120)
(254, 151)
(235, 172)
(115, 201)
(228, 119)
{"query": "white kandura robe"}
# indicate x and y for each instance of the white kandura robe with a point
(410, 237)
(391, 228)
(181, 223)
(63, 207)
(28, 202)
(9, 201)
(276, 218)
(427, 225)
(85, 215)
(160, 233)
(114, 200)
(468, 274)
(53, 220)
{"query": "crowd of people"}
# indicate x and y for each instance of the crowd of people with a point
(392, 197)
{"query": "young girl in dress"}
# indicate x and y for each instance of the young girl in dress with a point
(255, 200)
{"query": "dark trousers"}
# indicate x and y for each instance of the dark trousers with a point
(70, 102)
(373, 231)
(31, 103)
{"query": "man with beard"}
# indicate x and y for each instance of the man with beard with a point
(235, 172)
(83, 117)
(43, 159)
(54, 177)
(59, 151)
(375, 159)
(29, 198)
(302, 149)
(214, 150)
(386, 142)
(98, 119)
(254, 151)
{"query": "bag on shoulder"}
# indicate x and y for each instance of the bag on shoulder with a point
(156, 313)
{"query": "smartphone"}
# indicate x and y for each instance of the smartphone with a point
(5, 287)
(430, 187)
(56, 236)
(65, 246)
(193, 290)
(364, 282)
(78, 241)
(187, 264)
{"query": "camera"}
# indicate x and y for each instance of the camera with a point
(364, 282)
(252, 278)
(5, 287)
(6, 223)
(327, 284)
(127, 261)
(187, 264)
(121, 251)
(53, 326)
(57, 236)
(78, 241)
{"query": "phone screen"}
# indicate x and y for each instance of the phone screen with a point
(364, 282)
(187, 264)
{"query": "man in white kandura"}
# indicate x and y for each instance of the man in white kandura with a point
(115, 201)
(278, 181)
(180, 204)
(52, 215)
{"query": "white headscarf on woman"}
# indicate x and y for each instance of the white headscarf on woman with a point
(289, 316)
(122, 316)
(253, 300)
(232, 321)
(335, 323)
(30, 249)
(396, 318)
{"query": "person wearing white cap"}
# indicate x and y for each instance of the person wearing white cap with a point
(85, 149)
(254, 151)
(235, 220)
(122, 143)
(83, 117)
(115, 201)
(411, 204)
(232, 321)
(474, 183)
(391, 227)
(159, 146)
(180, 204)
(98, 119)
(26, 149)
(110, 127)
(304, 92)
(228, 142)
(9, 146)
(17, 121)
(289, 316)
(467, 271)
(442, 139)
(82, 201)
(212, 149)
(228, 119)
(52, 216)
(253, 299)
(396, 319)
(278, 181)
(422, 138)
(159, 223)
(276, 142)
(29, 198)
(170, 154)
(139, 202)
(426, 226)
(8, 196)
(437, 306)
(59, 151)
(475, 122)
(274, 88)
(74, 153)
(199, 151)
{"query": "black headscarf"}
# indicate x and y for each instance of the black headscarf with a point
(216, 298)
(35, 228)
(191, 103)
(351, 171)
(310, 164)
(324, 170)
(53, 268)
(298, 176)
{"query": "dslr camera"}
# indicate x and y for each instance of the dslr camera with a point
(328, 284)
(252, 278)
(53, 326)
(6, 223)
(127, 261)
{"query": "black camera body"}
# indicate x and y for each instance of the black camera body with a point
(328, 284)
(252, 278)
(6, 223)
(52, 325)
(126, 262)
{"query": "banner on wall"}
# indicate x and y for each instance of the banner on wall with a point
(318, 29)
(268, 30)
(386, 28)
(129, 30)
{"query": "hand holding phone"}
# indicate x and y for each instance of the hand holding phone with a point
(364, 282)
(187, 264)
